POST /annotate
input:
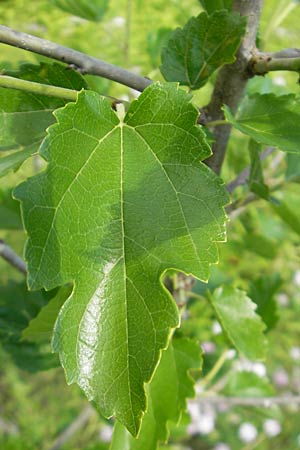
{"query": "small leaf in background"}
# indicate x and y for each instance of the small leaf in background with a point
(17, 308)
(293, 167)
(10, 217)
(214, 5)
(248, 384)
(256, 177)
(203, 45)
(119, 204)
(25, 116)
(243, 327)
(87, 9)
(260, 245)
(269, 119)
(289, 215)
(262, 292)
(40, 328)
(167, 395)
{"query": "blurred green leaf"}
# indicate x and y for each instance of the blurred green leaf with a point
(243, 327)
(262, 291)
(10, 216)
(17, 308)
(248, 384)
(203, 45)
(269, 119)
(293, 167)
(40, 328)
(156, 40)
(87, 9)
(256, 177)
(167, 394)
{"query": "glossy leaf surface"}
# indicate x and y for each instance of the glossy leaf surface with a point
(269, 119)
(203, 45)
(167, 394)
(244, 328)
(120, 203)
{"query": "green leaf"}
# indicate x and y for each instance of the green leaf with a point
(286, 212)
(14, 160)
(203, 45)
(262, 291)
(248, 384)
(17, 308)
(269, 119)
(10, 218)
(120, 203)
(214, 5)
(24, 116)
(40, 328)
(293, 167)
(167, 394)
(87, 9)
(256, 177)
(244, 328)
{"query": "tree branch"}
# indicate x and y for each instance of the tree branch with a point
(287, 59)
(87, 64)
(232, 80)
(12, 258)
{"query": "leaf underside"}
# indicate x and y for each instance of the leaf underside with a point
(120, 203)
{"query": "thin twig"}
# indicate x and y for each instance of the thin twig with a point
(79, 422)
(87, 64)
(12, 258)
(264, 402)
(262, 63)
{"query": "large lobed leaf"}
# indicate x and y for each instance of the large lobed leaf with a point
(24, 116)
(167, 394)
(269, 119)
(203, 45)
(121, 202)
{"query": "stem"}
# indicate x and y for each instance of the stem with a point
(12, 258)
(232, 80)
(215, 369)
(263, 63)
(215, 123)
(264, 402)
(38, 88)
(87, 64)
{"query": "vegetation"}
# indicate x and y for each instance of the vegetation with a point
(125, 166)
